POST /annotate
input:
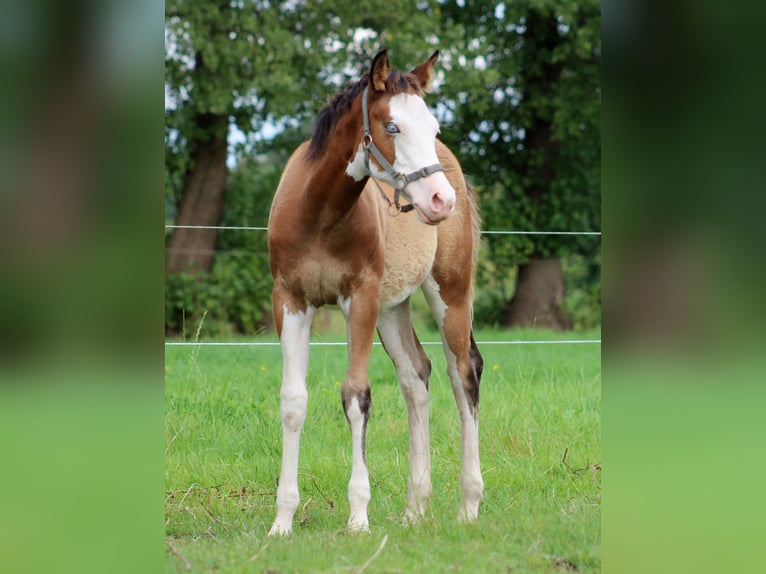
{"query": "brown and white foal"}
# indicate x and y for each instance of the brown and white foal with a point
(338, 235)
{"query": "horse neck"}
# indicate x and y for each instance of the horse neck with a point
(331, 190)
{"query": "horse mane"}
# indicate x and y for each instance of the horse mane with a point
(396, 83)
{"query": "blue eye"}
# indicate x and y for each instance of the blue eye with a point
(392, 128)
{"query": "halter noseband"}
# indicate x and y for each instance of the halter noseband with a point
(400, 180)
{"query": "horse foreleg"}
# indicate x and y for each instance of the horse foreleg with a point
(360, 311)
(412, 370)
(464, 367)
(294, 333)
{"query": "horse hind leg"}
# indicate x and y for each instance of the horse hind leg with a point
(464, 367)
(412, 370)
(294, 332)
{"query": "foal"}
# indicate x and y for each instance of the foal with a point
(331, 241)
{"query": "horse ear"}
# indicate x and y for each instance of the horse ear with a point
(379, 71)
(425, 71)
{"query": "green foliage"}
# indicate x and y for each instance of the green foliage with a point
(522, 100)
(236, 294)
(241, 60)
(582, 276)
(515, 67)
(233, 298)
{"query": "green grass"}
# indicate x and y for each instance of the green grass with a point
(540, 514)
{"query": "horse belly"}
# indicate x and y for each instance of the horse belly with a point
(409, 257)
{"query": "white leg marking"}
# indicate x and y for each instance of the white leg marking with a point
(296, 330)
(359, 485)
(471, 482)
(416, 396)
(345, 306)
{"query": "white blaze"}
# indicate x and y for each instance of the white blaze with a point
(415, 149)
(416, 140)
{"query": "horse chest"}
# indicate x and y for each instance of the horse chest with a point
(321, 277)
(409, 258)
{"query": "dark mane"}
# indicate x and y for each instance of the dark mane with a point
(397, 83)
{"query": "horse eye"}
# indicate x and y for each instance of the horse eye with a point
(392, 128)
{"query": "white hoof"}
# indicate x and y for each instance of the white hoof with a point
(412, 517)
(280, 529)
(358, 524)
(468, 514)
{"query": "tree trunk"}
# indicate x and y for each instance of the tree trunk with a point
(539, 295)
(192, 250)
(540, 282)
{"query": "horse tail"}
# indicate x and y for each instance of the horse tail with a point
(475, 218)
(473, 205)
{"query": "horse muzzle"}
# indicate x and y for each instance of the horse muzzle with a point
(433, 197)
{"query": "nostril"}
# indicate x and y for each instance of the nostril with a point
(437, 203)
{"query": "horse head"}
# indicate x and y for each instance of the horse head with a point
(398, 145)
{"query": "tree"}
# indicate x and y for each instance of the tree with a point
(525, 110)
(227, 63)
(235, 296)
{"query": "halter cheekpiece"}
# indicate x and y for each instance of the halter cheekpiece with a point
(400, 180)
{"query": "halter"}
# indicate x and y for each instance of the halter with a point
(400, 180)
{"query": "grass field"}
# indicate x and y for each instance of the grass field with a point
(540, 452)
